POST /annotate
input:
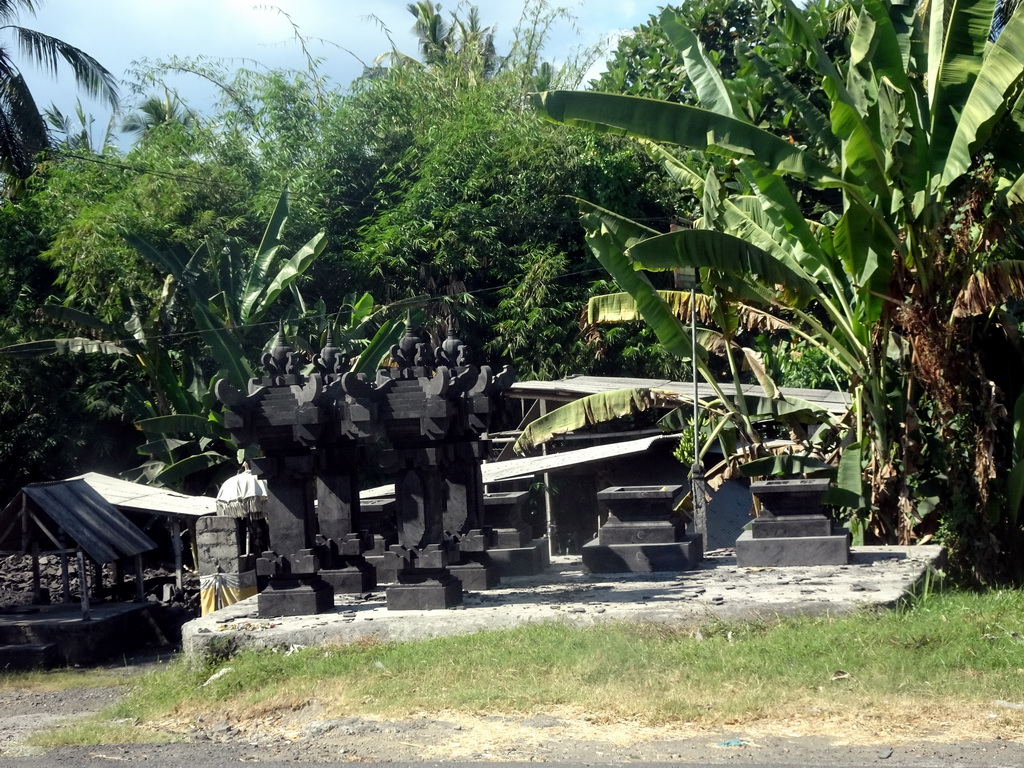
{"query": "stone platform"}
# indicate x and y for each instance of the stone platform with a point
(57, 635)
(876, 577)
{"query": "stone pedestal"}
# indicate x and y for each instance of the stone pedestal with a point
(295, 597)
(377, 521)
(642, 534)
(791, 530)
(510, 545)
(425, 590)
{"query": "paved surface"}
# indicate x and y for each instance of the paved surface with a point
(876, 577)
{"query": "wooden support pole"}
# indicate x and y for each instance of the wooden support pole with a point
(179, 578)
(97, 579)
(140, 586)
(37, 580)
(65, 578)
(83, 585)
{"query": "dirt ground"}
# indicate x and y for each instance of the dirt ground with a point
(991, 738)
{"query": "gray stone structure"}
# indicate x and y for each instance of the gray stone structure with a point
(791, 529)
(510, 543)
(435, 406)
(642, 533)
(432, 409)
(308, 428)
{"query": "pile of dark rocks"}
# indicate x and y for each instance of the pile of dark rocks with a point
(16, 584)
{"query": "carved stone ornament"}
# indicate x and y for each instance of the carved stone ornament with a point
(329, 361)
(282, 360)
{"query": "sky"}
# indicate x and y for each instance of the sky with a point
(241, 32)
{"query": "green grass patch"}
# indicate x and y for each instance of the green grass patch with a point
(96, 731)
(61, 679)
(957, 647)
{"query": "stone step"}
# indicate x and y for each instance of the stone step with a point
(28, 655)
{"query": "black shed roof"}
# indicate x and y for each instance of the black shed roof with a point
(41, 510)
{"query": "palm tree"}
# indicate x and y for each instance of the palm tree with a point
(156, 111)
(23, 132)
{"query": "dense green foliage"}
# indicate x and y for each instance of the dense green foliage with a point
(902, 269)
(139, 253)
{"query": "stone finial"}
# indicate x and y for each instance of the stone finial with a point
(282, 359)
(453, 352)
(329, 360)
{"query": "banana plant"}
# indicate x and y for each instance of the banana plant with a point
(922, 149)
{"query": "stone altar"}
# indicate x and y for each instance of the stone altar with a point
(642, 533)
(791, 529)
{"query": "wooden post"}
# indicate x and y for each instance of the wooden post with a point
(37, 581)
(97, 580)
(83, 585)
(140, 587)
(65, 579)
(179, 579)
(193, 544)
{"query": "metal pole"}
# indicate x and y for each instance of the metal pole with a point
(700, 509)
(549, 518)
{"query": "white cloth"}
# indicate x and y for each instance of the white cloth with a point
(242, 496)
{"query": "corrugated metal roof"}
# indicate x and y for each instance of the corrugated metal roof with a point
(575, 387)
(87, 518)
(497, 471)
(145, 498)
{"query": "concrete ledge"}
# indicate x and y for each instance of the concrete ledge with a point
(875, 578)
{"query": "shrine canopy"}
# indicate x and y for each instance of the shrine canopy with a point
(62, 515)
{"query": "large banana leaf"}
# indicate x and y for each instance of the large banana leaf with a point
(692, 127)
(1000, 76)
(704, 75)
(73, 316)
(256, 281)
(224, 347)
(608, 236)
(175, 423)
(722, 252)
(787, 464)
(173, 473)
(958, 35)
(611, 308)
(586, 412)
(288, 274)
(381, 343)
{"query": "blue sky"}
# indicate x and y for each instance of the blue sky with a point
(119, 32)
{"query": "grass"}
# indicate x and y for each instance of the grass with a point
(60, 679)
(947, 659)
(95, 731)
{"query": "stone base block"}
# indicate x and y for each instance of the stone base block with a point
(424, 593)
(543, 555)
(385, 568)
(802, 550)
(521, 561)
(295, 597)
(789, 526)
(640, 532)
(643, 558)
(476, 576)
(351, 579)
(509, 538)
